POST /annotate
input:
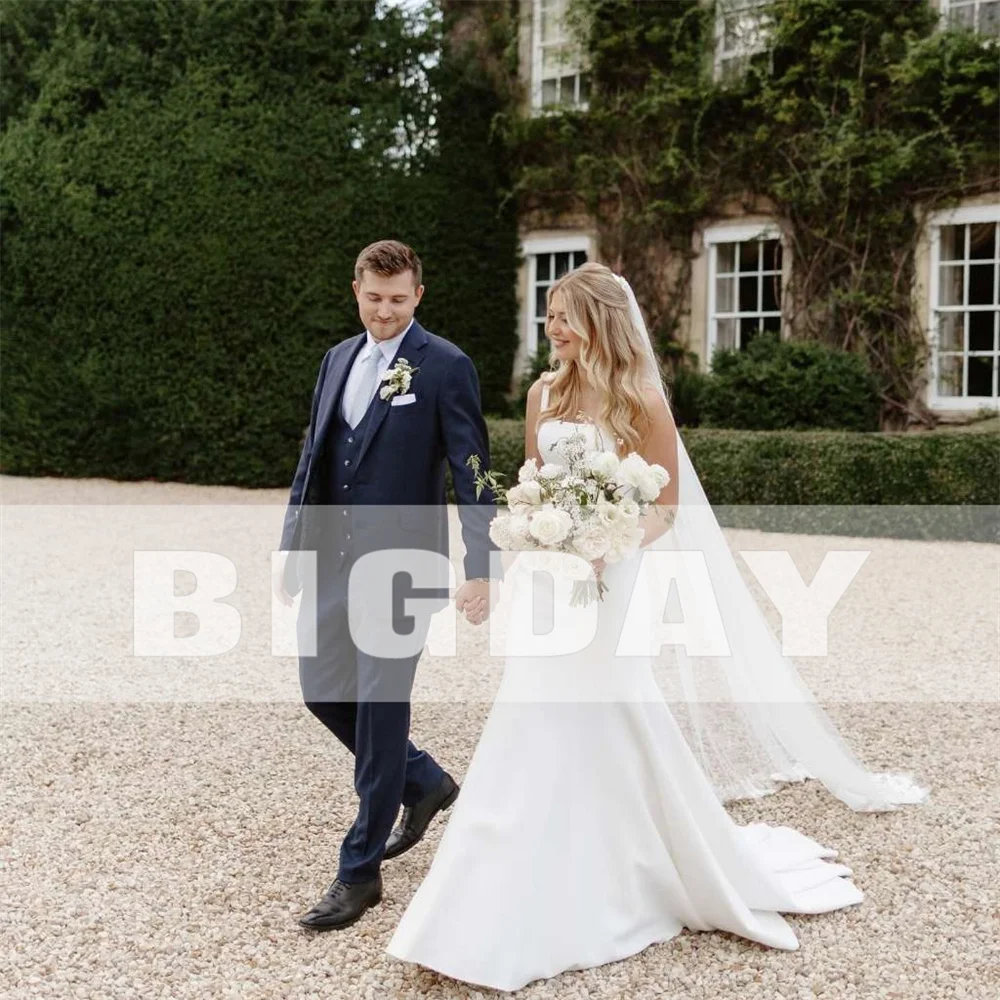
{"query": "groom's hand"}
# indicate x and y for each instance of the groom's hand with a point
(474, 600)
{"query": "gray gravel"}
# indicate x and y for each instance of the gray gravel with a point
(163, 824)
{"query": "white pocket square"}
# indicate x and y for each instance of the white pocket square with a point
(403, 400)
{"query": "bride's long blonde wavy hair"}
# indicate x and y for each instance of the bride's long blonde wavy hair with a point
(612, 356)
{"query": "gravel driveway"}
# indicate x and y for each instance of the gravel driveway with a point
(166, 819)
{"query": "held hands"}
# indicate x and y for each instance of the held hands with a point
(475, 599)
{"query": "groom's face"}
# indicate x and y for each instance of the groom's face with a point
(387, 304)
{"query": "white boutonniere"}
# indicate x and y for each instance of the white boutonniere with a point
(397, 378)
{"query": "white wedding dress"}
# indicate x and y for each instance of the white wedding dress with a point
(586, 830)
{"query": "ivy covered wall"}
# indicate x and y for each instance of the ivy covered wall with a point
(861, 117)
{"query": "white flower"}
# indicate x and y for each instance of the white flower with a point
(603, 464)
(551, 470)
(520, 536)
(528, 472)
(500, 532)
(397, 378)
(550, 525)
(634, 471)
(525, 494)
(661, 474)
(629, 510)
(592, 542)
(609, 513)
(627, 544)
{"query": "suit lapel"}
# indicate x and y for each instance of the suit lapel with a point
(335, 386)
(412, 348)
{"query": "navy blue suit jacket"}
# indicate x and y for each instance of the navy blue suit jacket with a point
(405, 450)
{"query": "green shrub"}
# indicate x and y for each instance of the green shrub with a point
(926, 485)
(777, 384)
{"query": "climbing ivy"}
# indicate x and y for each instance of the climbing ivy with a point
(862, 116)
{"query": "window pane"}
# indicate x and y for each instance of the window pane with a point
(567, 90)
(950, 375)
(989, 18)
(981, 330)
(540, 334)
(772, 255)
(749, 327)
(748, 294)
(562, 264)
(749, 255)
(951, 331)
(550, 26)
(584, 87)
(982, 241)
(579, 257)
(540, 300)
(725, 258)
(962, 17)
(771, 289)
(950, 292)
(981, 376)
(772, 324)
(543, 271)
(952, 242)
(982, 285)
(726, 334)
(724, 288)
(550, 93)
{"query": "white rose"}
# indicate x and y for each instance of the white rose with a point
(551, 470)
(550, 526)
(603, 464)
(525, 494)
(528, 471)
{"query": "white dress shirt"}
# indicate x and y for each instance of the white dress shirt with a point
(388, 349)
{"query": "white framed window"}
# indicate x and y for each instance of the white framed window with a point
(965, 308)
(548, 260)
(741, 31)
(744, 284)
(558, 75)
(976, 15)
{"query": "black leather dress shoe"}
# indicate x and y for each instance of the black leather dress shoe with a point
(343, 904)
(417, 818)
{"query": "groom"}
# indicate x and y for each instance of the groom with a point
(393, 407)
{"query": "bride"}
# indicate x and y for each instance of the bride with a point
(591, 824)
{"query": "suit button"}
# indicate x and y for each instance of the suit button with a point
(347, 461)
(344, 512)
(347, 486)
(341, 553)
(350, 440)
(348, 537)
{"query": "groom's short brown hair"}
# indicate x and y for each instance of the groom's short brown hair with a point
(387, 258)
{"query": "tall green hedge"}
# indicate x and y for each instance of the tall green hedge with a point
(185, 189)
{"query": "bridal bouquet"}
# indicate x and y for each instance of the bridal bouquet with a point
(588, 505)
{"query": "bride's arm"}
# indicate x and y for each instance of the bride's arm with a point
(660, 446)
(530, 421)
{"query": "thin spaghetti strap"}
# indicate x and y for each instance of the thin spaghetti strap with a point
(545, 391)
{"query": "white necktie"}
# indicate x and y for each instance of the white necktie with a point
(364, 389)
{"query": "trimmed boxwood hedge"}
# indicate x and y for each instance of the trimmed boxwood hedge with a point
(936, 484)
